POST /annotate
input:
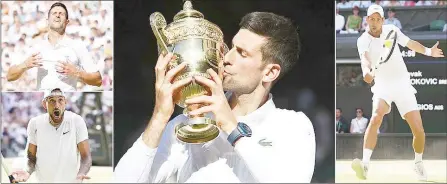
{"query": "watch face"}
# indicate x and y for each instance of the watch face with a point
(244, 129)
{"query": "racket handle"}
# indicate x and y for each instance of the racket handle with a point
(12, 179)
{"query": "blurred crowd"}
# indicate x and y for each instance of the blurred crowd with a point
(18, 108)
(349, 76)
(24, 22)
(356, 23)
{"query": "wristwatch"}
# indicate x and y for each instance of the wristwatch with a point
(241, 130)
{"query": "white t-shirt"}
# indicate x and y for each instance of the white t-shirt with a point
(339, 22)
(58, 157)
(66, 49)
(359, 125)
(290, 157)
(392, 74)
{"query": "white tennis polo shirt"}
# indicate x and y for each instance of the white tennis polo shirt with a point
(58, 157)
(66, 49)
(281, 149)
(392, 74)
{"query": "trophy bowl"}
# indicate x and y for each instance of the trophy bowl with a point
(198, 43)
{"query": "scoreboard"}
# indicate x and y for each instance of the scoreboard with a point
(430, 80)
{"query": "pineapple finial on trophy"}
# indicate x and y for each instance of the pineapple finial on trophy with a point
(187, 5)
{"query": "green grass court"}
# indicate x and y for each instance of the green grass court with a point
(398, 171)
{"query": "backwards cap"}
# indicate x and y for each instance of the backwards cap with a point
(53, 92)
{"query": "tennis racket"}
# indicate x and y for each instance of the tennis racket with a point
(6, 168)
(387, 51)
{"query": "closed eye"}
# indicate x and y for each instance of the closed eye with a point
(240, 51)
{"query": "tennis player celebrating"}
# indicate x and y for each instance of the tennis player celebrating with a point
(55, 141)
(61, 61)
(392, 84)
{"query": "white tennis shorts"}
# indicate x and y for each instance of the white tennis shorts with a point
(405, 100)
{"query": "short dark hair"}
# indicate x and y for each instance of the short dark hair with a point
(358, 108)
(338, 108)
(283, 44)
(61, 5)
(56, 90)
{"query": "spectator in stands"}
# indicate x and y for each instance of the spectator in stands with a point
(392, 3)
(378, 2)
(339, 21)
(409, 3)
(354, 22)
(365, 4)
(440, 3)
(341, 123)
(392, 18)
(424, 3)
(445, 28)
(344, 4)
(359, 123)
(356, 3)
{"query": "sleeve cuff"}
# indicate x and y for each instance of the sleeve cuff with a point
(80, 140)
(32, 142)
(140, 146)
(364, 73)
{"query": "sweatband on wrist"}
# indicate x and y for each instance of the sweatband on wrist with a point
(427, 51)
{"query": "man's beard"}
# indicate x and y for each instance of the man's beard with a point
(236, 87)
(375, 30)
(59, 29)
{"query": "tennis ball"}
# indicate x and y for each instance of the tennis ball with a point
(388, 43)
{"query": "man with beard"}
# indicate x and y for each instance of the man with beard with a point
(258, 142)
(61, 61)
(56, 140)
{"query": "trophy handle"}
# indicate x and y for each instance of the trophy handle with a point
(158, 24)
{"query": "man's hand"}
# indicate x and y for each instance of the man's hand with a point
(33, 61)
(81, 177)
(164, 86)
(216, 103)
(66, 68)
(165, 89)
(435, 51)
(20, 176)
(368, 78)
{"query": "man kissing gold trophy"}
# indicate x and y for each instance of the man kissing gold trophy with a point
(199, 43)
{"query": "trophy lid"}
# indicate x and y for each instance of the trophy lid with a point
(188, 11)
(190, 23)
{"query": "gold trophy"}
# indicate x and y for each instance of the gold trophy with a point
(199, 43)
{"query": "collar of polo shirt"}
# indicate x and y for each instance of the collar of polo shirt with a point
(256, 117)
(63, 42)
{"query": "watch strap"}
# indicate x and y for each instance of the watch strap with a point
(234, 136)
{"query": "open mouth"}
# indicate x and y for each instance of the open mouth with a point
(57, 113)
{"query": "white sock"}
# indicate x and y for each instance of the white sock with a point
(366, 155)
(417, 157)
